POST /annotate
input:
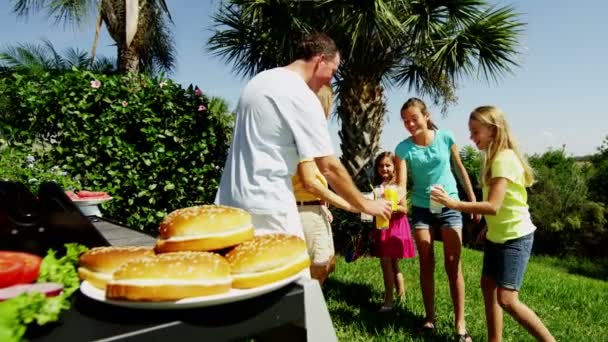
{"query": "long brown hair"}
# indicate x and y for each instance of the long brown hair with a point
(386, 154)
(418, 103)
(493, 118)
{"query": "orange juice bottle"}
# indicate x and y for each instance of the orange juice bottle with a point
(381, 223)
(391, 194)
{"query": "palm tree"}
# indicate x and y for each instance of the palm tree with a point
(426, 45)
(150, 49)
(44, 56)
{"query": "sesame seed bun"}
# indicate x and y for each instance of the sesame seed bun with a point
(171, 276)
(203, 228)
(97, 264)
(266, 259)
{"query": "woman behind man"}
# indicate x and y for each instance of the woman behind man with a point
(312, 197)
(429, 153)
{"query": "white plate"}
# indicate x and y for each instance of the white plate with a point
(195, 302)
(87, 202)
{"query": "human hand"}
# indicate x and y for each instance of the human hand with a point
(438, 194)
(329, 216)
(476, 218)
(379, 207)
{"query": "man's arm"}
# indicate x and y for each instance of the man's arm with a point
(342, 183)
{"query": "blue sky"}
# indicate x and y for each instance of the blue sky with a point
(559, 95)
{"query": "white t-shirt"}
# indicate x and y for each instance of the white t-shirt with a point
(279, 121)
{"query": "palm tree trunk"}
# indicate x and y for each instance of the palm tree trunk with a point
(96, 39)
(361, 111)
(128, 58)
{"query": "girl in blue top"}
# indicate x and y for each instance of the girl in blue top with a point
(428, 154)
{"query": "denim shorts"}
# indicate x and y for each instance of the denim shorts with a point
(423, 218)
(506, 262)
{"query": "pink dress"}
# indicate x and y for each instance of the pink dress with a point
(396, 241)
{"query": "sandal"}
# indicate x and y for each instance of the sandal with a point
(426, 328)
(464, 337)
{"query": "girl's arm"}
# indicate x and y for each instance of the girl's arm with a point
(401, 170)
(402, 206)
(307, 171)
(461, 173)
(496, 195)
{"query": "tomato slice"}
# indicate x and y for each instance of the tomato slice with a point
(30, 265)
(10, 272)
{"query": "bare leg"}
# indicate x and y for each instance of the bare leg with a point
(452, 244)
(424, 243)
(332, 264)
(493, 310)
(509, 301)
(399, 283)
(389, 281)
(319, 272)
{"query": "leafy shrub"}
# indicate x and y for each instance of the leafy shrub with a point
(568, 220)
(598, 182)
(31, 166)
(153, 145)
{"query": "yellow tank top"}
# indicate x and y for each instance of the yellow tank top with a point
(298, 187)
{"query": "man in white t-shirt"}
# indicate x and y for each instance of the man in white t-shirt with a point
(280, 121)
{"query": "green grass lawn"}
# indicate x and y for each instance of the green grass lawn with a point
(574, 307)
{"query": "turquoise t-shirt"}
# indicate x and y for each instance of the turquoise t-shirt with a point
(428, 165)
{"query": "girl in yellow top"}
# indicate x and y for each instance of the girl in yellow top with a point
(510, 231)
(312, 196)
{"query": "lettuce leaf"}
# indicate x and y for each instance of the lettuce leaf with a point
(16, 313)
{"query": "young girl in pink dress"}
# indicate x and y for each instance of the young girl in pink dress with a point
(394, 242)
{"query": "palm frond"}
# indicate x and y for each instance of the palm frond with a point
(488, 44)
(363, 23)
(104, 65)
(28, 56)
(57, 60)
(25, 7)
(157, 54)
(62, 11)
(257, 35)
(78, 58)
(162, 4)
(44, 56)
(422, 79)
(70, 11)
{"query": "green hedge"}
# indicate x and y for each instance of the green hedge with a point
(153, 145)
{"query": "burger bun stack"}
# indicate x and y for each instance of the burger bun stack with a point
(185, 261)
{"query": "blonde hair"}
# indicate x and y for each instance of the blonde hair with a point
(326, 96)
(503, 139)
(418, 103)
